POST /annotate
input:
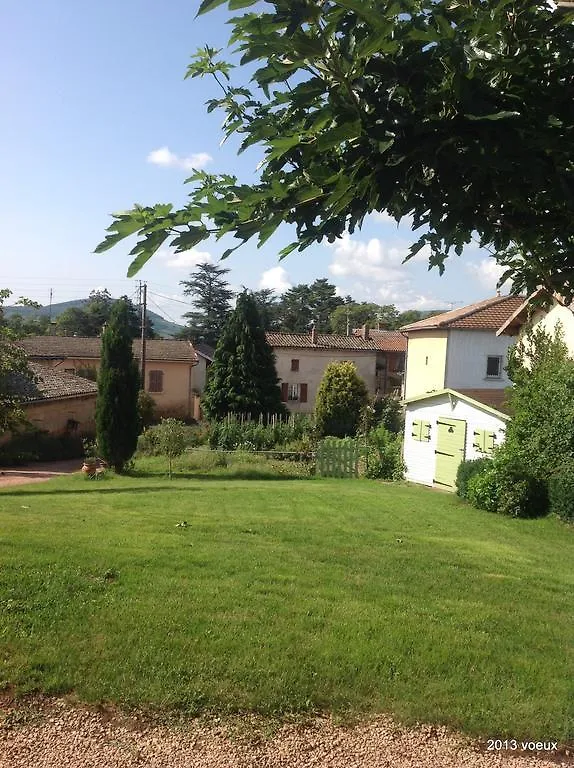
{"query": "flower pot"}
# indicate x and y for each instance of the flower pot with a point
(89, 466)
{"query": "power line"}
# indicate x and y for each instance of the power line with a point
(162, 311)
(169, 298)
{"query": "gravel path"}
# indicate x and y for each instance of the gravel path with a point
(37, 472)
(69, 737)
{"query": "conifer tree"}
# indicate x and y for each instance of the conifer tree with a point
(243, 378)
(117, 420)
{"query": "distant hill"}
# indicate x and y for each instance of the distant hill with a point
(163, 327)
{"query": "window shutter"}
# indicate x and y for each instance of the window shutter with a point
(284, 392)
(425, 431)
(303, 393)
(489, 442)
(416, 429)
(478, 440)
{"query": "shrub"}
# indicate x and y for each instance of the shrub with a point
(170, 436)
(388, 412)
(384, 455)
(36, 445)
(561, 493)
(148, 443)
(233, 433)
(341, 399)
(146, 409)
(481, 489)
(508, 489)
(467, 470)
(520, 494)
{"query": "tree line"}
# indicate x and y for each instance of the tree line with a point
(295, 311)
(87, 320)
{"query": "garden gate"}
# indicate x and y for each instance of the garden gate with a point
(338, 457)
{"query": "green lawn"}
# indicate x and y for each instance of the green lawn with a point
(288, 595)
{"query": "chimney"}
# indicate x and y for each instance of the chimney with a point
(365, 332)
(313, 334)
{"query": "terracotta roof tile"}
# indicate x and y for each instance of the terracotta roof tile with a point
(56, 347)
(386, 341)
(485, 315)
(50, 384)
(324, 341)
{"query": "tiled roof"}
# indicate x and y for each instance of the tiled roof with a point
(50, 384)
(81, 347)
(485, 315)
(386, 341)
(204, 350)
(495, 398)
(323, 341)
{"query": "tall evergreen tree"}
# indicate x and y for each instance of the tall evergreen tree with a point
(243, 378)
(211, 297)
(117, 420)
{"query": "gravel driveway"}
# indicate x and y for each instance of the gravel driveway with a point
(61, 736)
(37, 472)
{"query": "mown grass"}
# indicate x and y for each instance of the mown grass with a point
(287, 595)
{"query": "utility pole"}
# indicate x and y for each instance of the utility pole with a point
(50, 309)
(143, 329)
(348, 323)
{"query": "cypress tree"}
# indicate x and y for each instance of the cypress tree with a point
(243, 378)
(117, 420)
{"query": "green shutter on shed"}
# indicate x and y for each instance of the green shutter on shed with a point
(484, 440)
(421, 430)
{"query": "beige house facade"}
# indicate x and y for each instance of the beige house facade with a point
(460, 349)
(169, 366)
(301, 359)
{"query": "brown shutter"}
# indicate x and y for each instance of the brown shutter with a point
(284, 392)
(303, 393)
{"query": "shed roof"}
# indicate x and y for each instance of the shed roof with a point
(50, 384)
(323, 341)
(486, 315)
(83, 347)
(490, 400)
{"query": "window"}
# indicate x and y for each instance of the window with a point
(155, 381)
(293, 392)
(493, 366)
(294, 365)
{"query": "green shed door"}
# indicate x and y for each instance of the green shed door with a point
(451, 438)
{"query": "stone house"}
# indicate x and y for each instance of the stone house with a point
(301, 359)
(168, 372)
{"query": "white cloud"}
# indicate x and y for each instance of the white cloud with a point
(373, 259)
(165, 158)
(186, 259)
(487, 272)
(275, 279)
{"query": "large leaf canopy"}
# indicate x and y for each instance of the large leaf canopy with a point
(457, 113)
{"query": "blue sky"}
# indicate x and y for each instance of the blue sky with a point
(97, 116)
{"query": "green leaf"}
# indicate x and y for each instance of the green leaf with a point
(495, 116)
(209, 5)
(336, 136)
(144, 250)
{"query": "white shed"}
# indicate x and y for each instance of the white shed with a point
(446, 427)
